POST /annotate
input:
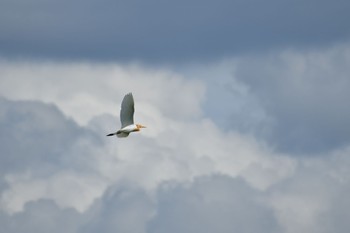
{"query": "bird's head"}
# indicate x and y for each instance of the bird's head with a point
(140, 126)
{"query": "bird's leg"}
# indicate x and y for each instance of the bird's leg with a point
(111, 134)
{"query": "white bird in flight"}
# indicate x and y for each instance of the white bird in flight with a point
(127, 118)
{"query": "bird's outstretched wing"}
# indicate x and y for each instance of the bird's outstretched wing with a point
(127, 110)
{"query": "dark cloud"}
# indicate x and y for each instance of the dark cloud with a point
(305, 95)
(209, 204)
(121, 209)
(166, 30)
(47, 154)
(336, 219)
(212, 204)
(38, 137)
(41, 216)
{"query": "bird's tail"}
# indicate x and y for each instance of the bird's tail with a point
(111, 134)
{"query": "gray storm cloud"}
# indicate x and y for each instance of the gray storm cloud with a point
(166, 30)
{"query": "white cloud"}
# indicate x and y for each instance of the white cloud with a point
(85, 90)
(68, 189)
(178, 147)
(306, 202)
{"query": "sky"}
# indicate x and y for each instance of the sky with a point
(245, 103)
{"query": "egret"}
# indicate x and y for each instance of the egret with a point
(127, 118)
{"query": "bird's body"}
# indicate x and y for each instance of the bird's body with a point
(124, 132)
(127, 118)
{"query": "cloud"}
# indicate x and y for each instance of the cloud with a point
(78, 177)
(185, 171)
(86, 90)
(310, 200)
(121, 209)
(166, 31)
(304, 94)
(46, 155)
(212, 204)
(42, 216)
(77, 160)
(33, 124)
(295, 101)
